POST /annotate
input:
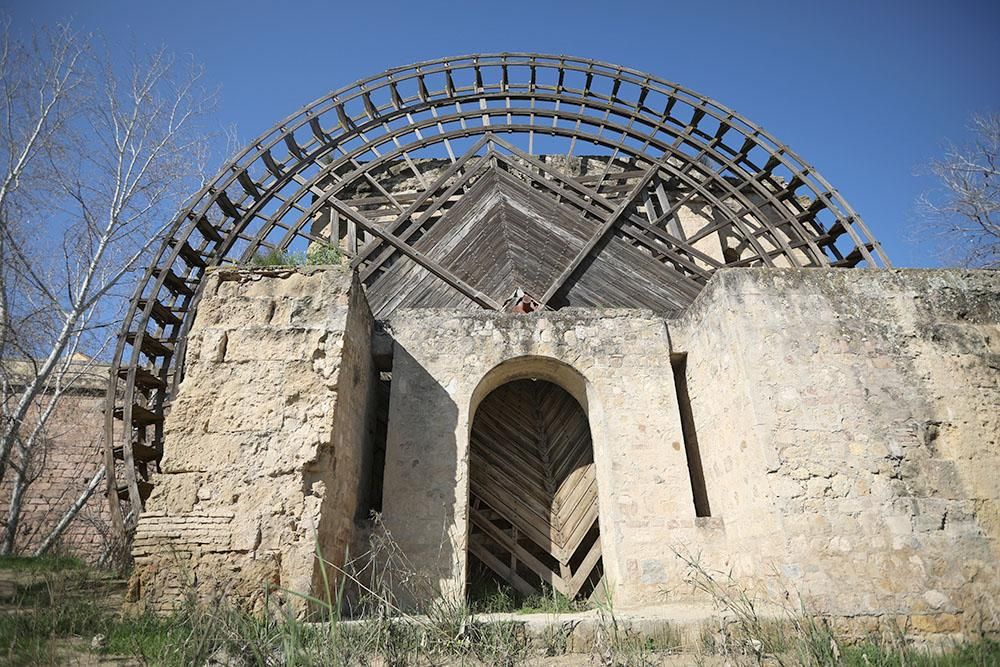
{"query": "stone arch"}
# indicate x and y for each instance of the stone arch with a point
(533, 506)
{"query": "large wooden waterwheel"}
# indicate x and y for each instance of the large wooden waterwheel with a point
(452, 182)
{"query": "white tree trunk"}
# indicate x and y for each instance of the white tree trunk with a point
(95, 165)
(70, 514)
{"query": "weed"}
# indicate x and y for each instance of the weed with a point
(275, 258)
(49, 611)
(873, 653)
(494, 597)
(551, 601)
(316, 255)
(328, 254)
(616, 644)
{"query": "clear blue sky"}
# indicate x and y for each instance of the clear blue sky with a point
(867, 92)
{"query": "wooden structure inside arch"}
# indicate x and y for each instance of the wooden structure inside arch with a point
(533, 490)
(459, 182)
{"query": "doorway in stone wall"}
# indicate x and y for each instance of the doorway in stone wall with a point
(533, 495)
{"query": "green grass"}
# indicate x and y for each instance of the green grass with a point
(984, 653)
(55, 614)
(27, 635)
(489, 596)
(42, 564)
(551, 602)
(144, 635)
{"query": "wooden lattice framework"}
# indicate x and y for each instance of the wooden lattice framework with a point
(533, 489)
(380, 166)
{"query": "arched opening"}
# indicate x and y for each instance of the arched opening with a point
(533, 504)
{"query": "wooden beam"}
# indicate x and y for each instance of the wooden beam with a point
(501, 538)
(584, 571)
(598, 202)
(424, 215)
(439, 183)
(604, 230)
(494, 563)
(441, 272)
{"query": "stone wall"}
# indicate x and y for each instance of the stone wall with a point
(266, 439)
(846, 422)
(617, 365)
(849, 424)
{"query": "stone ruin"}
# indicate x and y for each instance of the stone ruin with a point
(547, 372)
(825, 431)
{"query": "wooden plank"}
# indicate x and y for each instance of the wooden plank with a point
(444, 274)
(504, 540)
(532, 463)
(419, 201)
(143, 378)
(492, 562)
(140, 416)
(585, 570)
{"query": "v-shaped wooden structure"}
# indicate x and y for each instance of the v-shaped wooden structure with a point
(533, 489)
(453, 182)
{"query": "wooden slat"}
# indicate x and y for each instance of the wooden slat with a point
(140, 416)
(190, 256)
(208, 230)
(504, 540)
(432, 266)
(532, 463)
(145, 489)
(150, 345)
(173, 282)
(492, 562)
(143, 378)
(165, 316)
(612, 220)
(585, 569)
(140, 452)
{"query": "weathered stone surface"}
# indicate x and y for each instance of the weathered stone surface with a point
(267, 439)
(847, 425)
(846, 422)
(617, 365)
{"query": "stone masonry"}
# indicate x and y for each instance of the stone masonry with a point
(850, 432)
(846, 424)
(268, 439)
(617, 365)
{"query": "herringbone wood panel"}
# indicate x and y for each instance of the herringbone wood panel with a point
(534, 488)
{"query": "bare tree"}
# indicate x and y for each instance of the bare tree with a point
(96, 159)
(965, 209)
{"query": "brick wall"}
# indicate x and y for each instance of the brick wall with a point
(74, 434)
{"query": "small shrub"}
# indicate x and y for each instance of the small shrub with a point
(316, 255)
(276, 258)
(319, 255)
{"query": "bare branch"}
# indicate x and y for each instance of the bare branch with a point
(96, 160)
(965, 209)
